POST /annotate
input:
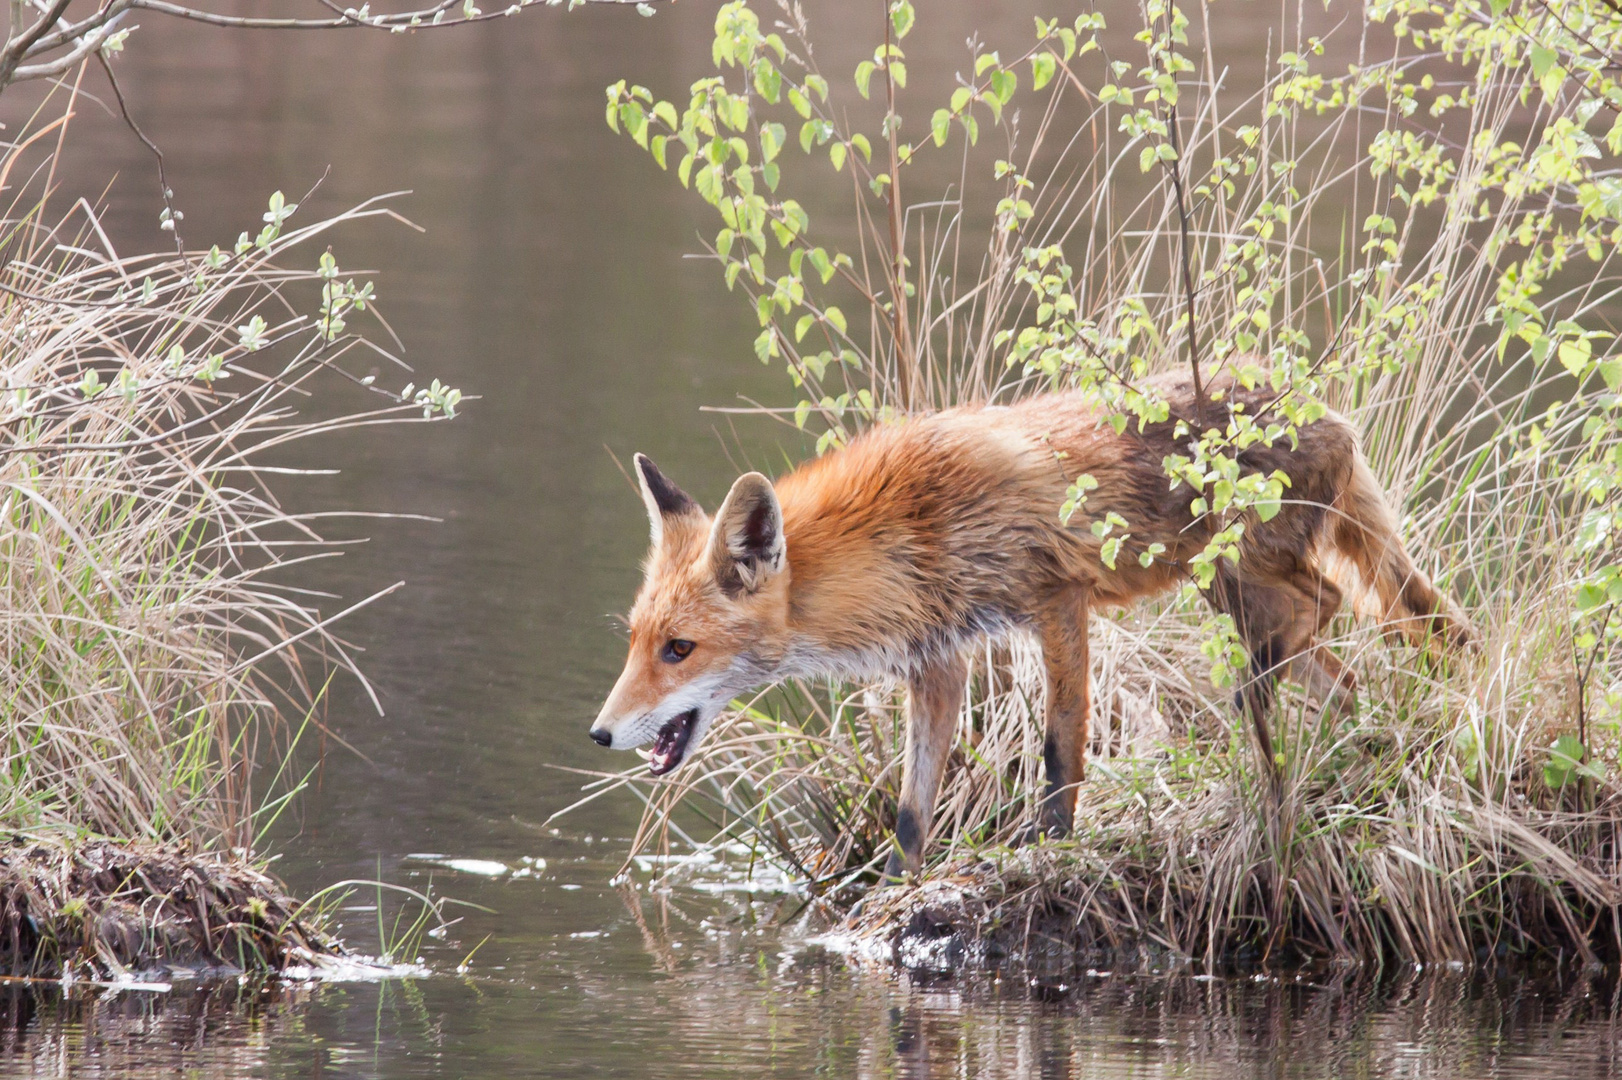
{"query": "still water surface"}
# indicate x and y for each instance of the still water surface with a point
(550, 282)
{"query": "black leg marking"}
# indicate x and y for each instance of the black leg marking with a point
(1264, 662)
(1053, 817)
(1054, 766)
(909, 836)
(907, 854)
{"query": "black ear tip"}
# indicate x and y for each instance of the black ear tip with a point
(650, 472)
(669, 498)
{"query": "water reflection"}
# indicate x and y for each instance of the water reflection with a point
(1438, 1026)
(818, 1017)
(90, 1031)
(683, 986)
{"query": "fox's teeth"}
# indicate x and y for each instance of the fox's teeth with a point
(644, 753)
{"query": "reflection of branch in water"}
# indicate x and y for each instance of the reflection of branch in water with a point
(656, 944)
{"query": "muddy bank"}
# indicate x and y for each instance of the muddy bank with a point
(1050, 909)
(101, 909)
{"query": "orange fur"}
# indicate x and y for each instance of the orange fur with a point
(888, 557)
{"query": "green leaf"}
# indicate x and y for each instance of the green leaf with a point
(771, 173)
(635, 120)
(708, 184)
(1574, 355)
(1611, 372)
(836, 154)
(825, 268)
(818, 84)
(835, 316)
(804, 324)
(1543, 59)
(656, 146)
(940, 126)
(771, 140)
(1003, 83)
(768, 80)
(864, 75)
(902, 18)
(859, 141)
(1042, 67)
(1565, 761)
(667, 112)
(801, 103)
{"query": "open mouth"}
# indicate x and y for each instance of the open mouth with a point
(670, 745)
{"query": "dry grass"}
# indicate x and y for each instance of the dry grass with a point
(156, 649)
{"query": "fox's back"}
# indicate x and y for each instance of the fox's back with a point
(923, 534)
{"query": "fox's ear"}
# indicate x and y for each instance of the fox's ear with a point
(746, 542)
(663, 499)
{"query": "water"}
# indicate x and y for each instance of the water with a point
(550, 281)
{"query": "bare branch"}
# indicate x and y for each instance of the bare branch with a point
(87, 35)
(173, 220)
(18, 47)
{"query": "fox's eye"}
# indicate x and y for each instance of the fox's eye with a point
(677, 650)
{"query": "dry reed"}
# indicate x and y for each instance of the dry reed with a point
(160, 656)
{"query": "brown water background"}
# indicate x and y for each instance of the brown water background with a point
(550, 282)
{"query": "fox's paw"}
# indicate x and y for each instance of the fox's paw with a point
(1038, 832)
(895, 872)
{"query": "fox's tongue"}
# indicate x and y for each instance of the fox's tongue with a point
(671, 743)
(663, 750)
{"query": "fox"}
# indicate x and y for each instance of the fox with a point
(889, 557)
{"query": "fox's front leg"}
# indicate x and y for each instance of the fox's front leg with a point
(934, 696)
(1063, 629)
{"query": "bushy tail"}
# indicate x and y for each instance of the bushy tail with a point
(1362, 531)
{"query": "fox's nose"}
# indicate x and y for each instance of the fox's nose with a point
(601, 737)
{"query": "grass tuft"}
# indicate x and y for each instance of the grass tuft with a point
(160, 660)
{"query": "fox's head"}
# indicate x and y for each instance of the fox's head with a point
(713, 603)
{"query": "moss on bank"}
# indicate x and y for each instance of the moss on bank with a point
(100, 908)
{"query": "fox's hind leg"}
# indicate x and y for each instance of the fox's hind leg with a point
(1062, 626)
(934, 697)
(1279, 613)
(1326, 681)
